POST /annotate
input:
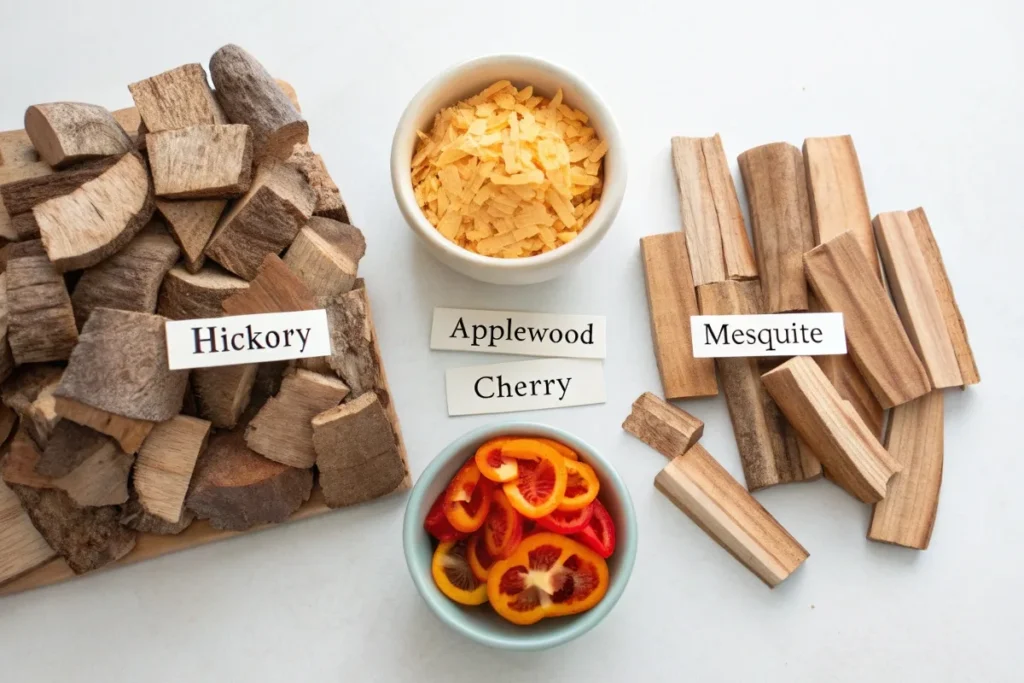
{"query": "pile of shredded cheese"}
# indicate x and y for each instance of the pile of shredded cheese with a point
(507, 173)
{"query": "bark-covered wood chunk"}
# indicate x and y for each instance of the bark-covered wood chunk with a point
(222, 394)
(201, 162)
(274, 289)
(29, 393)
(22, 547)
(88, 538)
(41, 319)
(187, 295)
(65, 133)
(249, 94)
(135, 517)
(357, 451)
(22, 193)
(346, 238)
(6, 357)
(191, 223)
(324, 268)
(128, 432)
(8, 421)
(84, 227)
(130, 279)
(69, 446)
(329, 203)
(25, 226)
(235, 488)
(165, 464)
(130, 121)
(281, 430)
(262, 222)
(177, 98)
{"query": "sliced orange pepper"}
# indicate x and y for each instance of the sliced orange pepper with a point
(581, 486)
(503, 529)
(493, 465)
(549, 575)
(540, 487)
(453, 575)
(562, 449)
(468, 499)
(480, 562)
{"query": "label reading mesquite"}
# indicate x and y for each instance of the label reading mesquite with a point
(776, 334)
(238, 339)
(524, 385)
(518, 332)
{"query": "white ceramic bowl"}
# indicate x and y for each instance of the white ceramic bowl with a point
(465, 80)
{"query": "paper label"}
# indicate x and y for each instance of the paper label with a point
(518, 332)
(237, 339)
(525, 385)
(776, 334)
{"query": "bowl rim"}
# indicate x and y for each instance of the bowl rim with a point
(611, 195)
(626, 541)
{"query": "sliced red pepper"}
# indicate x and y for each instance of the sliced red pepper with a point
(438, 526)
(468, 499)
(567, 522)
(503, 529)
(599, 534)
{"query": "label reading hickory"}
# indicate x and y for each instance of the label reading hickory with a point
(519, 333)
(776, 334)
(238, 339)
(525, 385)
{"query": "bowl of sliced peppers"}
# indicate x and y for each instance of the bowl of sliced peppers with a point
(520, 536)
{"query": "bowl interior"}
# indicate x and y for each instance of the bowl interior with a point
(481, 623)
(468, 79)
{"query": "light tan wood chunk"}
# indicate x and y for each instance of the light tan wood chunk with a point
(325, 269)
(41, 320)
(130, 121)
(843, 281)
(222, 394)
(65, 133)
(836, 192)
(263, 222)
(191, 223)
(768, 453)
(186, 295)
(719, 505)
(672, 300)
(329, 203)
(780, 218)
(916, 297)
(947, 301)
(177, 98)
(68, 446)
(84, 227)
(914, 439)
(22, 547)
(201, 162)
(281, 430)
(357, 452)
(165, 463)
(832, 428)
(101, 480)
(712, 219)
(274, 288)
(667, 429)
(130, 279)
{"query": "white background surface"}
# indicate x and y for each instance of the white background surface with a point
(931, 92)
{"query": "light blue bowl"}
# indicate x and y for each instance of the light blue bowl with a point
(481, 623)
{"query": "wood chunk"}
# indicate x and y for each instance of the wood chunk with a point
(289, 91)
(281, 430)
(70, 444)
(165, 464)
(263, 222)
(843, 281)
(177, 98)
(29, 393)
(249, 95)
(6, 357)
(128, 432)
(671, 299)
(120, 367)
(274, 288)
(947, 301)
(134, 517)
(667, 429)
(8, 421)
(201, 162)
(130, 279)
(191, 223)
(914, 439)
(101, 480)
(93, 222)
(831, 427)
(329, 203)
(346, 238)
(22, 547)
(916, 297)
(324, 269)
(222, 394)
(16, 151)
(235, 488)
(356, 452)
(18, 464)
(25, 227)
(41, 321)
(836, 194)
(716, 237)
(22, 193)
(87, 538)
(769, 456)
(719, 505)
(64, 133)
(776, 187)
(187, 295)
(130, 121)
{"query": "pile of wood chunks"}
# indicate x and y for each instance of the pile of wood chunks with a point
(178, 208)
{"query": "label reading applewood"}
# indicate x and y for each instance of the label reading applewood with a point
(238, 339)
